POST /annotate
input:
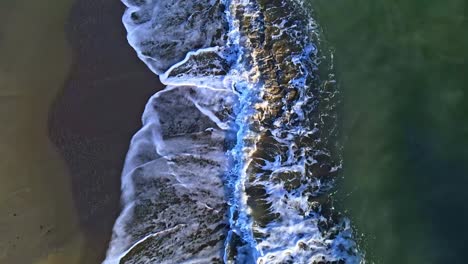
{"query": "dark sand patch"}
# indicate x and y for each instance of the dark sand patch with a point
(96, 114)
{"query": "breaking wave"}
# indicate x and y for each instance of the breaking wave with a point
(237, 158)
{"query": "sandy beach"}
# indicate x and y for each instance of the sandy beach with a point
(72, 92)
(37, 215)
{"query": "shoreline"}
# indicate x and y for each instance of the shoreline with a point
(96, 114)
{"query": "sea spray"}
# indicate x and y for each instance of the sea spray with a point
(235, 161)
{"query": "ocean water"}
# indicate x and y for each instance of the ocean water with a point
(238, 157)
(401, 67)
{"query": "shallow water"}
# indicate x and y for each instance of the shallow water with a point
(401, 69)
(236, 159)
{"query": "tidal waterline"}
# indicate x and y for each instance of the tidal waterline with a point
(69, 106)
(402, 68)
(37, 215)
(95, 114)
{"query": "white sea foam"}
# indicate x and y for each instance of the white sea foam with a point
(173, 178)
(223, 168)
(163, 32)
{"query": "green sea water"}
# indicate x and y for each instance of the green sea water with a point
(403, 70)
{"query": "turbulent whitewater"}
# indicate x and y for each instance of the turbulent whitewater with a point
(237, 157)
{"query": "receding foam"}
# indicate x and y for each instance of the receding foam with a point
(235, 161)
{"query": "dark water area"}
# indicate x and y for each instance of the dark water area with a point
(402, 68)
(96, 113)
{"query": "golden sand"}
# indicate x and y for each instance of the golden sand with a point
(37, 216)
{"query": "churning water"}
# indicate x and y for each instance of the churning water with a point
(237, 158)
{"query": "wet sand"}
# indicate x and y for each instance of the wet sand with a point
(71, 95)
(37, 216)
(96, 114)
